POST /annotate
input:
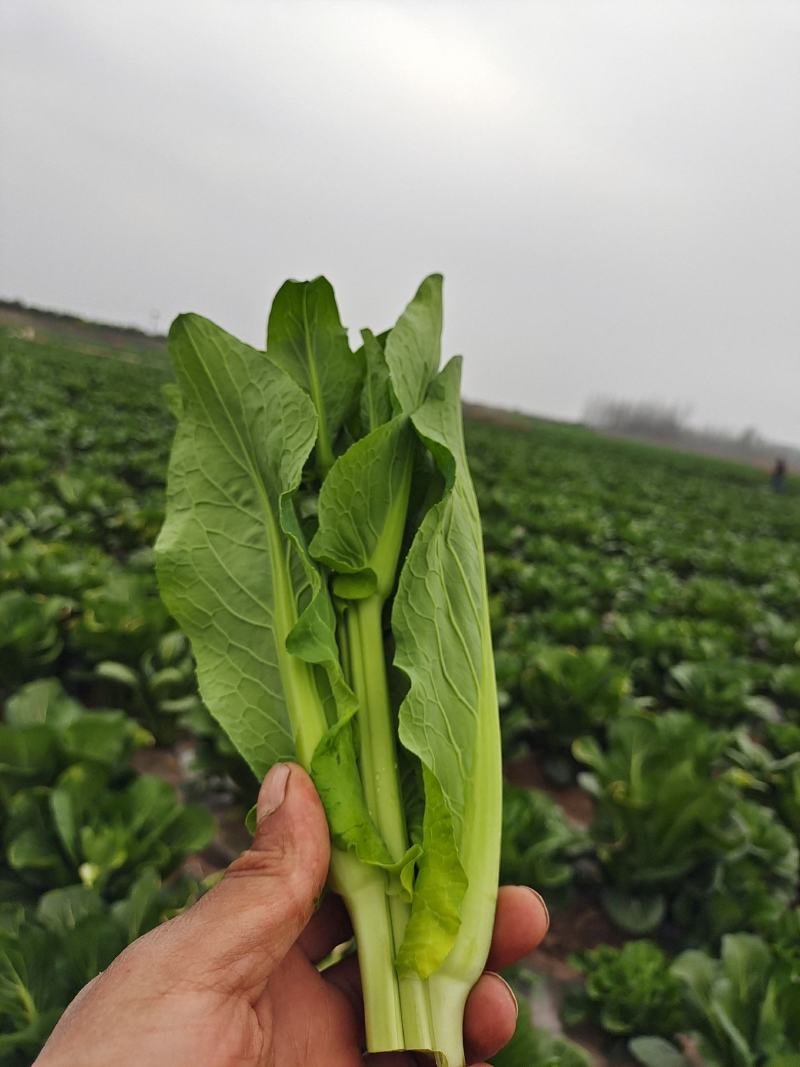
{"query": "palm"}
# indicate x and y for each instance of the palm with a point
(326, 1030)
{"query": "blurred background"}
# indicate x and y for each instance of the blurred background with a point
(610, 189)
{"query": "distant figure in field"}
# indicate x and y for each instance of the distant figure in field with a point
(778, 476)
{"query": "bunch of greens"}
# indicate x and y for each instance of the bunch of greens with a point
(743, 1008)
(567, 691)
(659, 803)
(718, 690)
(71, 811)
(539, 843)
(627, 990)
(30, 634)
(322, 550)
(674, 835)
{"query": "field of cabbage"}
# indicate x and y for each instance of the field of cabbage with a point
(646, 618)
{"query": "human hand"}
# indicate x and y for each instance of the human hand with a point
(232, 981)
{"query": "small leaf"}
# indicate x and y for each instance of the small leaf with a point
(656, 1052)
(63, 909)
(634, 913)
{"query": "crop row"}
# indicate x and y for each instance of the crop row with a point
(645, 620)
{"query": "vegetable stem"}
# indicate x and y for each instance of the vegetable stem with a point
(379, 770)
(381, 779)
(363, 890)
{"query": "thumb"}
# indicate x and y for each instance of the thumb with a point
(240, 931)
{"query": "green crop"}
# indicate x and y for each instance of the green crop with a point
(627, 990)
(322, 550)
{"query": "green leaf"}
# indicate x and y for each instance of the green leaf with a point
(307, 340)
(191, 831)
(62, 806)
(118, 672)
(376, 396)
(226, 569)
(63, 909)
(449, 718)
(138, 911)
(698, 973)
(362, 509)
(42, 702)
(656, 1052)
(438, 892)
(101, 737)
(32, 849)
(27, 754)
(633, 912)
(413, 346)
(335, 771)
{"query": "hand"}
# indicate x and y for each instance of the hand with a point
(232, 983)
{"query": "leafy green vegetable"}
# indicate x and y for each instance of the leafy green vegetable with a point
(322, 550)
(539, 843)
(745, 1006)
(717, 690)
(659, 806)
(71, 809)
(627, 990)
(30, 635)
(751, 879)
(121, 619)
(566, 691)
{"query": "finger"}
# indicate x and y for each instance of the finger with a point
(346, 976)
(329, 927)
(238, 933)
(490, 1017)
(520, 924)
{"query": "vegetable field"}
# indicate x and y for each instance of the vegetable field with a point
(645, 609)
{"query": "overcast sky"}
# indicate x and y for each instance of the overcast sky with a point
(611, 187)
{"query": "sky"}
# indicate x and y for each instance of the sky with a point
(610, 187)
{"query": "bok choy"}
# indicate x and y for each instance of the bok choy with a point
(322, 550)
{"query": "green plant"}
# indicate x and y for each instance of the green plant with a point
(161, 689)
(627, 990)
(659, 803)
(82, 830)
(775, 777)
(718, 690)
(120, 620)
(30, 634)
(71, 809)
(744, 1008)
(567, 691)
(786, 685)
(46, 730)
(539, 843)
(322, 550)
(750, 881)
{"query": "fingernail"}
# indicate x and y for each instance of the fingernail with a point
(273, 790)
(511, 992)
(541, 900)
